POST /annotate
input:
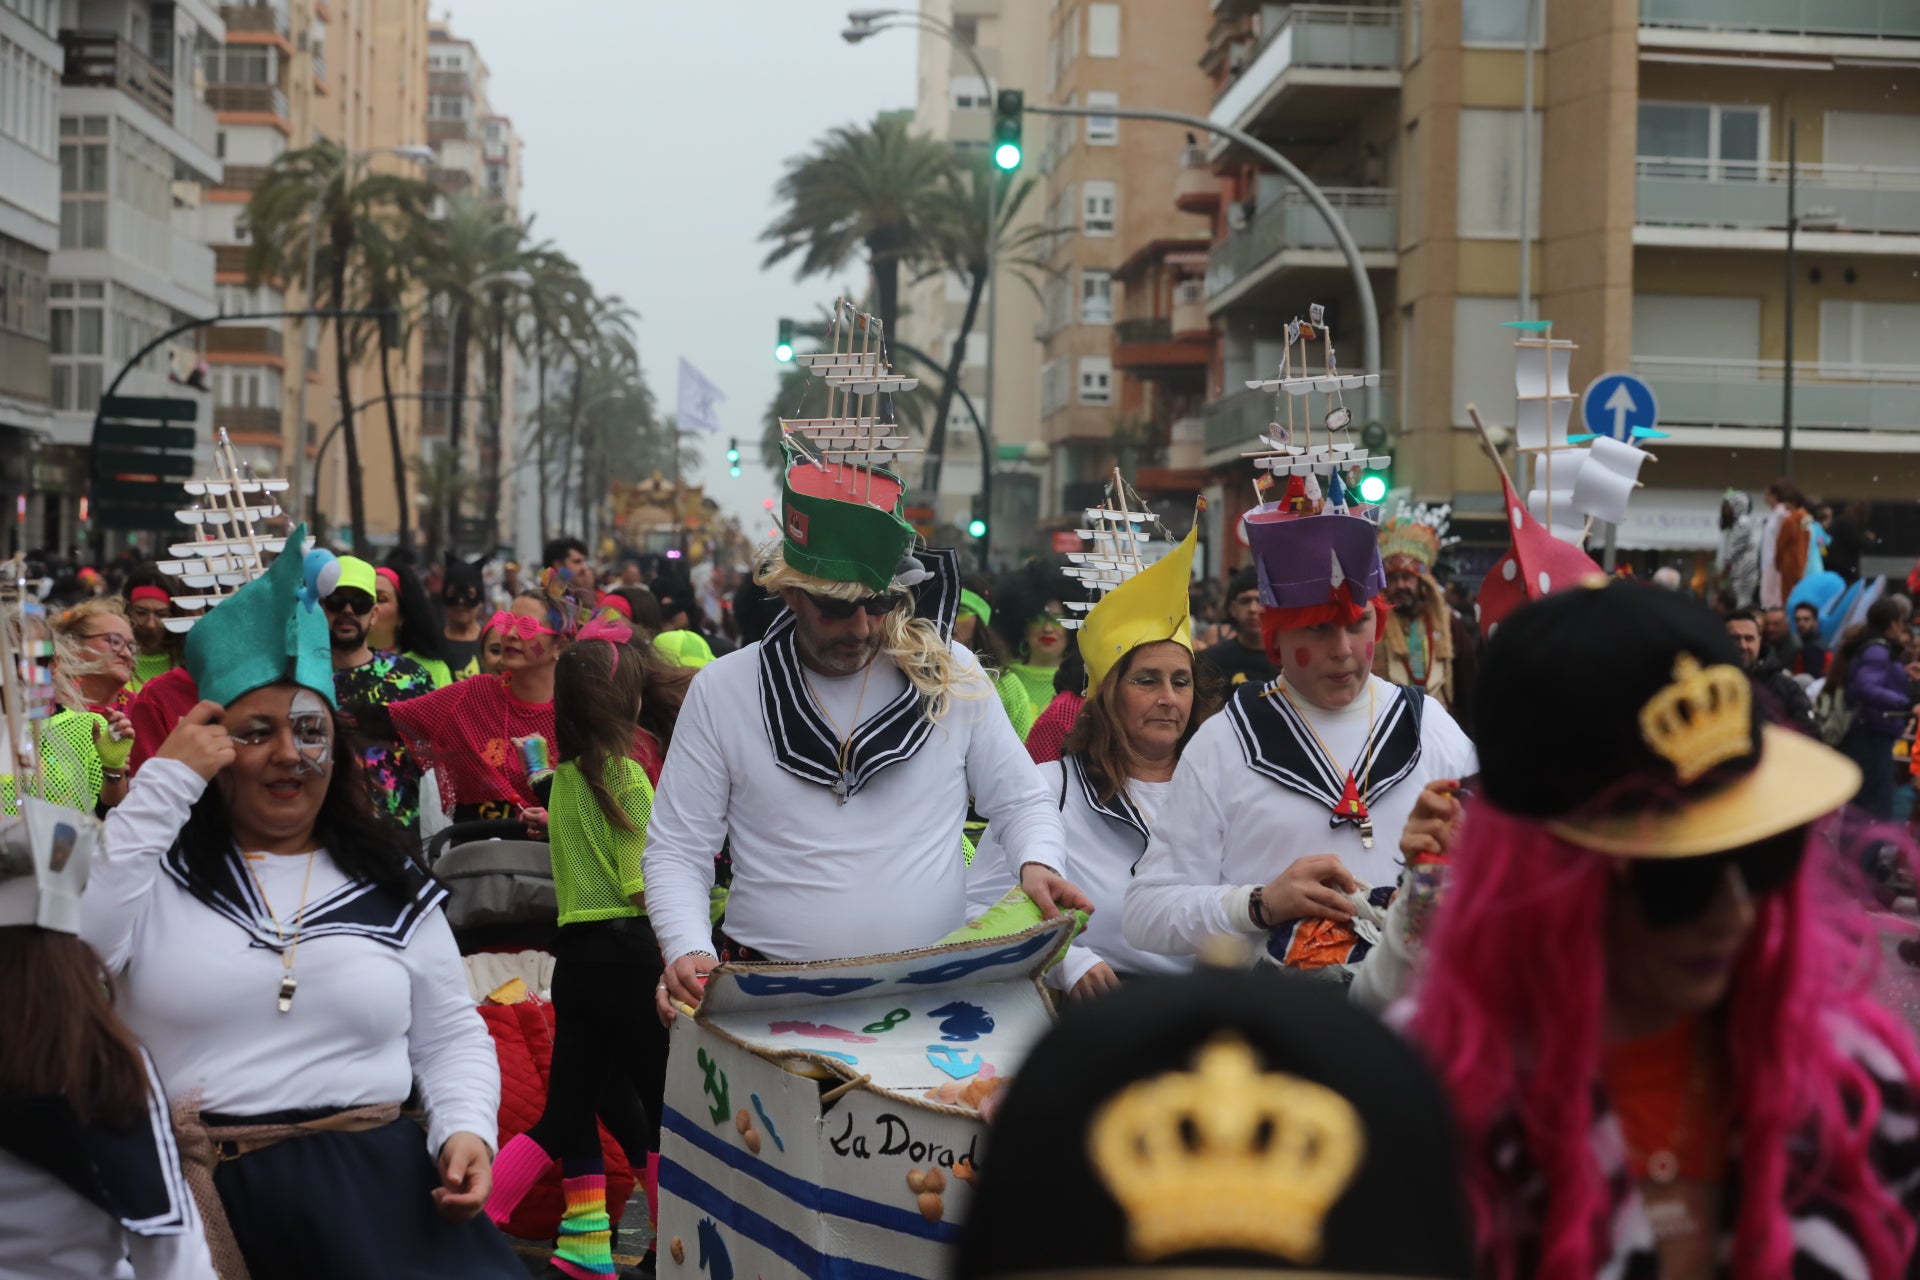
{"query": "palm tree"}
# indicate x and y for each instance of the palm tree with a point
(605, 340)
(878, 188)
(959, 235)
(387, 286)
(474, 240)
(556, 298)
(351, 206)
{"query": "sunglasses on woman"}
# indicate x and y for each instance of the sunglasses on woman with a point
(359, 604)
(518, 625)
(840, 610)
(1677, 891)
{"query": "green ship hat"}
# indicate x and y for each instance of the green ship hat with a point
(841, 522)
(269, 630)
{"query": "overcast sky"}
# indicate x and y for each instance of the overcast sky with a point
(654, 131)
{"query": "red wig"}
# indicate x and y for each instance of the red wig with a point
(1511, 1012)
(1341, 611)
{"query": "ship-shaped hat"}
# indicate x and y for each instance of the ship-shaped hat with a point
(1135, 603)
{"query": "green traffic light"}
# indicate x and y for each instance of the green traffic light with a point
(976, 528)
(1007, 156)
(734, 470)
(784, 353)
(1373, 487)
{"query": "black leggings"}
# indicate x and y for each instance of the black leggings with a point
(609, 1059)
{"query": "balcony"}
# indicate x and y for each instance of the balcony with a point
(1290, 234)
(451, 181)
(1234, 423)
(244, 177)
(256, 19)
(1146, 347)
(1320, 64)
(104, 60)
(249, 426)
(1687, 203)
(449, 83)
(1196, 188)
(1737, 403)
(250, 341)
(439, 131)
(249, 99)
(1860, 19)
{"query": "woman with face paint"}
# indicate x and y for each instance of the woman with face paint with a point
(1644, 987)
(289, 968)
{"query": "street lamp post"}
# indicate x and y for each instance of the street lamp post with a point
(309, 332)
(861, 24)
(320, 453)
(1821, 219)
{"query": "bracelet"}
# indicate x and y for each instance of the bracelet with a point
(114, 775)
(1257, 908)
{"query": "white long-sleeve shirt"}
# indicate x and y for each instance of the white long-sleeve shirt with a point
(367, 1018)
(49, 1231)
(1225, 829)
(813, 878)
(1104, 852)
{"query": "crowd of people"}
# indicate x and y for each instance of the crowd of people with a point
(1586, 875)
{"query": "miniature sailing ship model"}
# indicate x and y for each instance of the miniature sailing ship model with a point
(1291, 449)
(1114, 538)
(46, 840)
(232, 538)
(842, 515)
(1576, 479)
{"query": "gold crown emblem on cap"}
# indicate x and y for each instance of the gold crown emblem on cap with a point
(1226, 1157)
(1704, 718)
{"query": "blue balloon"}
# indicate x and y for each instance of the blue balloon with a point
(1817, 589)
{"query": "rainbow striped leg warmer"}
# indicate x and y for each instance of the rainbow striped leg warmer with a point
(585, 1245)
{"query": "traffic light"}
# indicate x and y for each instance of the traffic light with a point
(1374, 484)
(1008, 107)
(977, 527)
(783, 345)
(733, 457)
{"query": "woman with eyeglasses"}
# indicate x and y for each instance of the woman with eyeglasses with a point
(1645, 986)
(93, 652)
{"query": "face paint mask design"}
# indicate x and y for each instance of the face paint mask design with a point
(312, 731)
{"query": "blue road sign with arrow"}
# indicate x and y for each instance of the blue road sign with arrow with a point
(1620, 406)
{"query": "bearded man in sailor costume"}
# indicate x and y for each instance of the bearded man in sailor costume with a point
(1285, 813)
(838, 754)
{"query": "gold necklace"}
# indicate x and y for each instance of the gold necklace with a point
(843, 785)
(1357, 806)
(287, 981)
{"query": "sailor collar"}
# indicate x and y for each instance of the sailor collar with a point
(358, 909)
(1277, 742)
(1120, 809)
(804, 744)
(133, 1174)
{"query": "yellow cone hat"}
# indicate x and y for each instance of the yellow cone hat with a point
(1148, 607)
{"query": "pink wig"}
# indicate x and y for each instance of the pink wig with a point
(1511, 1014)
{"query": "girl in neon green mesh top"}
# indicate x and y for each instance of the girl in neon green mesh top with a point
(609, 1049)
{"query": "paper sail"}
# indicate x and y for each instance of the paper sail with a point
(1537, 423)
(1534, 376)
(1536, 564)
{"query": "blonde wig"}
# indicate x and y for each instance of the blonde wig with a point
(914, 645)
(72, 659)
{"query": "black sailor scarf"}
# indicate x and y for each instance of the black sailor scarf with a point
(1120, 809)
(133, 1174)
(357, 909)
(804, 744)
(1276, 741)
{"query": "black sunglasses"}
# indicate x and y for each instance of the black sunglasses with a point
(840, 610)
(359, 603)
(1676, 891)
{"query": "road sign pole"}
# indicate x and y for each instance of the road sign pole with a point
(1608, 554)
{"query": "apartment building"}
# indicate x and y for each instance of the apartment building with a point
(1008, 39)
(1648, 195)
(30, 67)
(136, 149)
(1119, 383)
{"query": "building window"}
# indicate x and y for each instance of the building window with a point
(1494, 21)
(23, 288)
(1096, 380)
(1097, 208)
(1102, 131)
(78, 326)
(1096, 297)
(1489, 193)
(1701, 140)
(971, 93)
(1868, 335)
(449, 106)
(238, 64)
(1482, 359)
(1103, 31)
(83, 183)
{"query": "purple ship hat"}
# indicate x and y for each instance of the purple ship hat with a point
(1318, 568)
